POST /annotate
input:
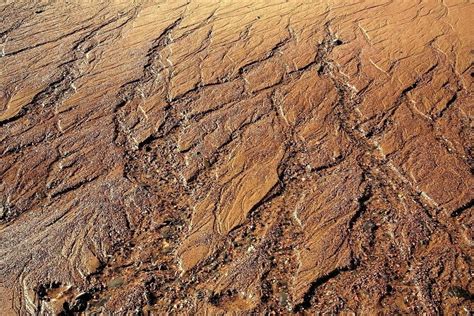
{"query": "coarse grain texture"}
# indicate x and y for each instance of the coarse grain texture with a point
(216, 157)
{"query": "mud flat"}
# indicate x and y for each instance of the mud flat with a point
(236, 157)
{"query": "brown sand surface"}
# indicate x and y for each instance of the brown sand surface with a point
(236, 157)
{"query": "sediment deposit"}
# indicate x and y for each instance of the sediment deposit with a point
(236, 157)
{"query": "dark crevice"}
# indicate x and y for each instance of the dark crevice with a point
(73, 187)
(308, 296)
(146, 141)
(448, 105)
(362, 208)
(459, 211)
(330, 165)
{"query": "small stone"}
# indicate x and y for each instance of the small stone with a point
(115, 283)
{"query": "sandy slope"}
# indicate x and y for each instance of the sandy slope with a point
(209, 157)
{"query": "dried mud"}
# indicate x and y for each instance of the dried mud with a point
(236, 157)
